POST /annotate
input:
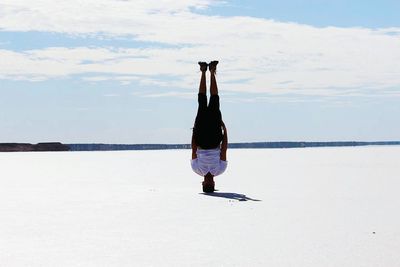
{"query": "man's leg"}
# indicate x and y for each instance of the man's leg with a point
(203, 86)
(202, 97)
(213, 83)
(198, 131)
(214, 100)
(215, 135)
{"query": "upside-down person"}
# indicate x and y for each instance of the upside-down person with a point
(210, 137)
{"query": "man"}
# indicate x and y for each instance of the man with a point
(210, 137)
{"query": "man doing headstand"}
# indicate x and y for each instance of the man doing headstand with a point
(210, 137)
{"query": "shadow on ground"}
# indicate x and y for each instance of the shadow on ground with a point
(234, 196)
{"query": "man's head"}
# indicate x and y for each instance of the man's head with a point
(208, 184)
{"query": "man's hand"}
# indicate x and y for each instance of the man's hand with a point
(223, 126)
(224, 145)
(194, 148)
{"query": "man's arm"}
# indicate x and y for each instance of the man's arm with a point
(194, 148)
(224, 145)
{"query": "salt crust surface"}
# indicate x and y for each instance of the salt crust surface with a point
(318, 207)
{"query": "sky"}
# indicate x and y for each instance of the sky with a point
(121, 71)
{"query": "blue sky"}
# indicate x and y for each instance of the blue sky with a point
(126, 71)
(340, 13)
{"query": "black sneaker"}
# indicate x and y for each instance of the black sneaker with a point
(212, 66)
(203, 66)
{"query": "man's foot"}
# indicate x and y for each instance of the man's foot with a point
(203, 66)
(212, 66)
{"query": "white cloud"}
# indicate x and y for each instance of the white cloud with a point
(190, 95)
(111, 95)
(257, 55)
(114, 17)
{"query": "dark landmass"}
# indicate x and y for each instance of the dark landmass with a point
(108, 147)
(310, 144)
(18, 147)
(56, 146)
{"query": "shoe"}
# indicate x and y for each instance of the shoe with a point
(203, 66)
(212, 66)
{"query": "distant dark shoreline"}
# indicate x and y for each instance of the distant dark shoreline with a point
(26, 147)
(56, 146)
(109, 147)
